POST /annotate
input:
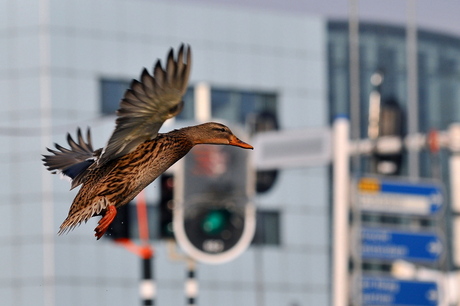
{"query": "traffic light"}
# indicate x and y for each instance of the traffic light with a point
(213, 228)
(263, 122)
(214, 219)
(390, 124)
(166, 205)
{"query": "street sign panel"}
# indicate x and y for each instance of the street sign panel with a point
(385, 291)
(386, 244)
(292, 149)
(398, 196)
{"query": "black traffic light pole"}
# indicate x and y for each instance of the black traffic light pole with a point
(191, 284)
(148, 283)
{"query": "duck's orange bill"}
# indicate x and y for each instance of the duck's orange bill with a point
(238, 143)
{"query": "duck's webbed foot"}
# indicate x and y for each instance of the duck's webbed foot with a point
(105, 221)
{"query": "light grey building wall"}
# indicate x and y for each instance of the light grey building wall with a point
(238, 48)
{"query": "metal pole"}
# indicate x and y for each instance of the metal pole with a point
(412, 84)
(375, 104)
(147, 287)
(191, 284)
(341, 239)
(202, 98)
(454, 168)
(355, 88)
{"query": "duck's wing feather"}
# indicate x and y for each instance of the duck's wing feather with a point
(71, 162)
(148, 103)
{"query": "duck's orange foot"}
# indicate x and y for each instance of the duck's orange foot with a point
(105, 221)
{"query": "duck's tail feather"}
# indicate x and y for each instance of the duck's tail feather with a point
(79, 213)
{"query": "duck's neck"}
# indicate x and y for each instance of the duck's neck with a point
(191, 134)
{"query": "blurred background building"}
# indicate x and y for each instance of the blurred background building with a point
(65, 64)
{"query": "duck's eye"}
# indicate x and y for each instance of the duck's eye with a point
(223, 130)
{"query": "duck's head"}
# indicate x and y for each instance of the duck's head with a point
(215, 133)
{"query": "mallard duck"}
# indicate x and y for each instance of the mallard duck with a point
(136, 154)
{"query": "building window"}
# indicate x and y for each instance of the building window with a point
(241, 106)
(112, 91)
(233, 105)
(237, 106)
(267, 228)
(188, 111)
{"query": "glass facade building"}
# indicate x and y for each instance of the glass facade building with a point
(383, 47)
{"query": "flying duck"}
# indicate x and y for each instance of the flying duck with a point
(136, 154)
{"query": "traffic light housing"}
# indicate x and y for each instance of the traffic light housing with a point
(390, 124)
(166, 206)
(264, 122)
(214, 229)
(214, 219)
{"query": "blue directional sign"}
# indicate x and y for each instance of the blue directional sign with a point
(386, 244)
(399, 196)
(385, 291)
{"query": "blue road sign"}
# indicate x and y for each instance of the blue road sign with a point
(386, 244)
(399, 196)
(385, 291)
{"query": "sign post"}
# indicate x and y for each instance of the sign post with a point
(341, 238)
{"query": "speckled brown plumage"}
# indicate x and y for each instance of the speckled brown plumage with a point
(119, 181)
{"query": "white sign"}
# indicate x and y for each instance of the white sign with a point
(292, 148)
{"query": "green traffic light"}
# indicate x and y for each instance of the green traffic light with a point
(215, 221)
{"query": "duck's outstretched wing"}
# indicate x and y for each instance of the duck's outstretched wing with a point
(72, 162)
(148, 103)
